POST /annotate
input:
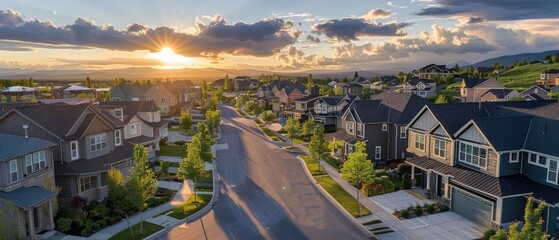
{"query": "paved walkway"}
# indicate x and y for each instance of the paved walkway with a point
(398, 200)
(173, 136)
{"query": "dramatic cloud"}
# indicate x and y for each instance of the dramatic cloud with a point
(17, 46)
(263, 38)
(378, 13)
(473, 20)
(313, 39)
(112, 61)
(349, 29)
(494, 9)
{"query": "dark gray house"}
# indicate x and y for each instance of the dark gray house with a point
(485, 159)
(381, 123)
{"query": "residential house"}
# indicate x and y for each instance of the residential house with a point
(499, 95)
(381, 123)
(288, 95)
(75, 91)
(128, 91)
(244, 83)
(89, 143)
(354, 89)
(328, 110)
(484, 90)
(389, 80)
(433, 72)
(485, 159)
(164, 99)
(186, 94)
(535, 93)
(27, 183)
(18, 94)
(302, 107)
(218, 84)
(424, 88)
(548, 78)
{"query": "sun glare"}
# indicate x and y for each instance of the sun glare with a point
(170, 59)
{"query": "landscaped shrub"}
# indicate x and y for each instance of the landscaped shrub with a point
(499, 235)
(418, 211)
(63, 224)
(404, 168)
(405, 214)
(79, 202)
(387, 184)
(489, 233)
(406, 181)
(372, 189)
(392, 165)
(163, 142)
(443, 208)
(430, 209)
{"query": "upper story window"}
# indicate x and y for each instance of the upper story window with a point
(360, 129)
(419, 141)
(514, 156)
(118, 113)
(35, 162)
(118, 138)
(349, 127)
(384, 127)
(552, 171)
(98, 142)
(439, 149)
(403, 132)
(162, 99)
(133, 128)
(116, 99)
(538, 160)
(420, 86)
(473, 155)
(151, 99)
(378, 152)
(13, 170)
(74, 151)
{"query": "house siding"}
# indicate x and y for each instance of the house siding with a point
(448, 150)
(535, 173)
(376, 137)
(425, 122)
(506, 167)
(553, 223)
(411, 145)
(34, 179)
(492, 159)
(513, 209)
(110, 146)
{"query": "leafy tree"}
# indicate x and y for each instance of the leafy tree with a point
(192, 167)
(533, 223)
(117, 187)
(257, 111)
(308, 127)
(239, 103)
(268, 117)
(250, 106)
(142, 183)
(338, 91)
(213, 117)
(367, 92)
(441, 99)
(164, 168)
(8, 227)
(186, 120)
(318, 145)
(88, 82)
(206, 142)
(449, 79)
(292, 127)
(554, 95)
(227, 83)
(357, 168)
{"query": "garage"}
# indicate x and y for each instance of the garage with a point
(472, 207)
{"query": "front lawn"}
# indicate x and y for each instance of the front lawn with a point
(347, 201)
(177, 150)
(188, 208)
(149, 229)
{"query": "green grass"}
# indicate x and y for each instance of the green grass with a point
(173, 151)
(525, 76)
(270, 134)
(312, 166)
(331, 160)
(149, 228)
(347, 201)
(188, 208)
(179, 128)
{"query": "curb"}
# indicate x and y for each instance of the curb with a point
(332, 200)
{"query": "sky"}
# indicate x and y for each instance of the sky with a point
(271, 35)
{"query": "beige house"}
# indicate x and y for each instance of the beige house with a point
(164, 99)
(548, 78)
(472, 90)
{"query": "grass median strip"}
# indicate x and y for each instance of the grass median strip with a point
(338, 193)
(149, 229)
(188, 208)
(270, 134)
(179, 151)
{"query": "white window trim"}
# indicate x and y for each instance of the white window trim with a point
(350, 127)
(361, 127)
(100, 142)
(28, 159)
(118, 139)
(415, 140)
(378, 152)
(12, 171)
(549, 170)
(403, 132)
(537, 163)
(119, 110)
(472, 164)
(384, 127)
(133, 128)
(439, 148)
(511, 160)
(72, 150)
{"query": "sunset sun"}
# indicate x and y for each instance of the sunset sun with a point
(170, 59)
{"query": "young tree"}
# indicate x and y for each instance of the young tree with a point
(308, 127)
(449, 79)
(367, 92)
(310, 82)
(338, 91)
(357, 168)
(533, 223)
(88, 82)
(554, 95)
(8, 227)
(257, 111)
(239, 103)
(213, 117)
(268, 117)
(318, 145)
(441, 99)
(292, 127)
(186, 121)
(227, 83)
(206, 142)
(117, 188)
(192, 167)
(142, 183)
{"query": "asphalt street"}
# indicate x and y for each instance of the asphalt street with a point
(264, 194)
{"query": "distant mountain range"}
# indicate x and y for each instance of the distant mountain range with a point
(510, 59)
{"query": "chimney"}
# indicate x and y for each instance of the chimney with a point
(25, 129)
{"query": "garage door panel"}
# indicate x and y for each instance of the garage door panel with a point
(471, 207)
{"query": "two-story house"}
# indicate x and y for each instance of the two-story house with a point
(328, 110)
(27, 182)
(433, 72)
(128, 91)
(302, 107)
(353, 88)
(18, 93)
(164, 99)
(548, 78)
(89, 143)
(535, 93)
(381, 123)
(287, 95)
(484, 159)
(424, 88)
(485, 90)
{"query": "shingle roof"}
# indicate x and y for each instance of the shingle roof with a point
(443, 67)
(307, 98)
(543, 136)
(416, 81)
(289, 89)
(370, 111)
(470, 83)
(57, 118)
(499, 93)
(407, 104)
(551, 71)
(27, 197)
(130, 108)
(505, 133)
(12, 146)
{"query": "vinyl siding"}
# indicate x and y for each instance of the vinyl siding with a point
(535, 173)
(425, 122)
(513, 209)
(507, 168)
(110, 146)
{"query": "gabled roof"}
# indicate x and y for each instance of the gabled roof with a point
(27, 197)
(499, 93)
(289, 89)
(470, 83)
(130, 108)
(416, 81)
(309, 98)
(370, 111)
(442, 67)
(13, 146)
(536, 88)
(543, 136)
(553, 71)
(406, 104)
(19, 89)
(504, 133)
(359, 80)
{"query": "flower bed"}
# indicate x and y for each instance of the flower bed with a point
(418, 211)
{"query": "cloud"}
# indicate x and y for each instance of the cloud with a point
(312, 39)
(473, 20)
(28, 46)
(263, 38)
(294, 15)
(494, 9)
(112, 61)
(349, 29)
(377, 13)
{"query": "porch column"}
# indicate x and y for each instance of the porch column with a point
(446, 189)
(51, 215)
(413, 181)
(428, 186)
(499, 211)
(30, 223)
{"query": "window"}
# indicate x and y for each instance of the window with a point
(162, 99)
(35, 162)
(28, 164)
(378, 154)
(359, 129)
(118, 138)
(74, 150)
(13, 170)
(403, 132)
(440, 148)
(98, 142)
(384, 127)
(473, 155)
(538, 160)
(133, 128)
(116, 99)
(420, 141)
(87, 183)
(552, 171)
(513, 157)
(118, 113)
(151, 99)
(349, 127)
